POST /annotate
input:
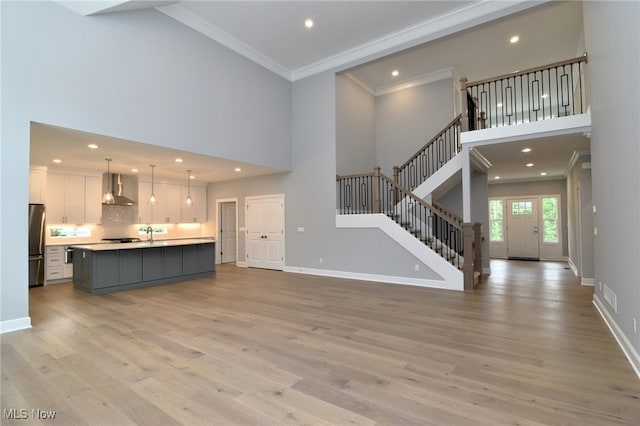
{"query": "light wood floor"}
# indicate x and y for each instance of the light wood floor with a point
(265, 347)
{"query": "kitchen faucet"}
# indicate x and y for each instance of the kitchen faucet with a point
(149, 234)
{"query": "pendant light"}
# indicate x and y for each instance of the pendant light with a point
(108, 197)
(152, 198)
(189, 200)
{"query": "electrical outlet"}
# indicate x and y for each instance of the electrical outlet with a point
(600, 285)
(417, 267)
(635, 326)
(321, 260)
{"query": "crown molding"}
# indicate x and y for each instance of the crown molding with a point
(458, 20)
(184, 16)
(452, 22)
(417, 81)
(359, 82)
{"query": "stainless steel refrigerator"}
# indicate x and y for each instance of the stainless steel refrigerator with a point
(36, 244)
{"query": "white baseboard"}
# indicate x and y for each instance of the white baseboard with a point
(388, 279)
(590, 282)
(242, 264)
(573, 267)
(15, 325)
(625, 345)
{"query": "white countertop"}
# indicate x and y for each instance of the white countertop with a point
(143, 244)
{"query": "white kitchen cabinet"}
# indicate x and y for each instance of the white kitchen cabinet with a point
(167, 209)
(37, 185)
(54, 261)
(65, 198)
(197, 212)
(56, 269)
(73, 199)
(145, 212)
(92, 199)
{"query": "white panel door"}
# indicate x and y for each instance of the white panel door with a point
(522, 228)
(228, 232)
(273, 226)
(265, 232)
(255, 236)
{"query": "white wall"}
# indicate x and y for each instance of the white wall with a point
(612, 39)
(136, 75)
(355, 128)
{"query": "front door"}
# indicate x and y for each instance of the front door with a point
(522, 229)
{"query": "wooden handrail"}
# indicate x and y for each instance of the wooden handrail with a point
(583, 58)
(445, 209)
(431, 141)
(338, 177)
(420, 201)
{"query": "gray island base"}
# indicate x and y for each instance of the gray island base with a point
(105, 268)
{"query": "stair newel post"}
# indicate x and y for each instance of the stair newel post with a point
(464, 121)
(483, 120)
(477, 248)
(396, 180)
(376, 190)
(467, 267)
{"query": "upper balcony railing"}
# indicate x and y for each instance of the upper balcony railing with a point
(541, 93)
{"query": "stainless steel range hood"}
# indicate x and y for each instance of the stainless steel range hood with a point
(117, 186)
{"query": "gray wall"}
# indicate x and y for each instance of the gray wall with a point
(310, 196)
(407, 119)
(611, 38)
(134, 75)
(355, 128)
(544, 187)
(452, 199)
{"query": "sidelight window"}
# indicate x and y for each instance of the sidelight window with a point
(550, 218)
(496, 220)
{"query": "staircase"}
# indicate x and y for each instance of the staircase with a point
(410, 216)
(426, 230)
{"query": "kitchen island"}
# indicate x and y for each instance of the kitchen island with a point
(104, 268)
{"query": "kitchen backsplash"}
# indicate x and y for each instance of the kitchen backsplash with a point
(95, 233)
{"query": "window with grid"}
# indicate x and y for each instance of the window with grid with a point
(521, 208)
(550, 219)
(496, 220)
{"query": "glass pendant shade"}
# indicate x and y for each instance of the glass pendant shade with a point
(107, 197)
(152, 198)
(189, 201)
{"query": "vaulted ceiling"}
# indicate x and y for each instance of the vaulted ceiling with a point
(366, 38)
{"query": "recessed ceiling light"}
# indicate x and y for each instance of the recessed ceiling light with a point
(192, 177)
(178, 160)
(308, 23)
(497, 177)
(499, 105)
(526, 150)
(529, 164)
(92, 146)
(57, 160)
(237, 169)
(514, 39)
(543, 174)
(395, 73)
(134, 170)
